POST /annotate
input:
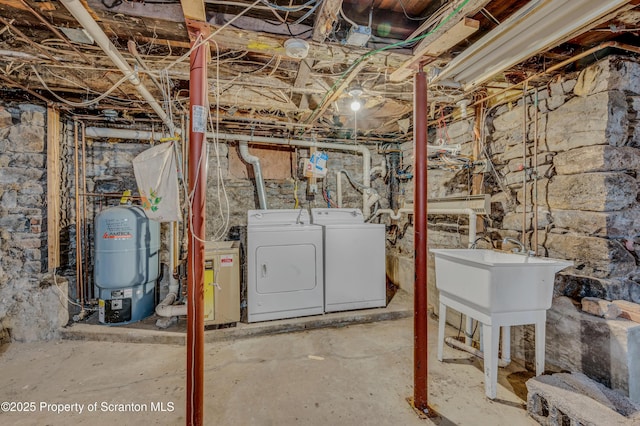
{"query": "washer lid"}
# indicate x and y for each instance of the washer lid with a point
(336, 216)
(277, 217)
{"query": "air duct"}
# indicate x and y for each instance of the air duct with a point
(257, 172)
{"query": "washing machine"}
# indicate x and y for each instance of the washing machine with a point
(284, 265)
(354, 260)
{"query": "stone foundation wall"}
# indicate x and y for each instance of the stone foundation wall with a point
(585, 184)
(241, 193)
(109, 171)
(32, 306)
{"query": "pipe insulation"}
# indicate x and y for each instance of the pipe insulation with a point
(257, 172)
(101, 132)
(166, 308)
(91, 26)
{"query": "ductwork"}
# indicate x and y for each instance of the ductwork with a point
(257, 172)
(100, 132)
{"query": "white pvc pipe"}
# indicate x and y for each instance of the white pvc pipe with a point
(472, 217)
(166, 308)
(100, 132)
(472, 220)
(91, 26)
(393, 215)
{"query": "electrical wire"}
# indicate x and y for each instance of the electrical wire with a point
(80, 104)
(407, 15)
(382, 49)
(221, 232)
(197, 44)
(68, 299)
(290, 8)
(347, 18)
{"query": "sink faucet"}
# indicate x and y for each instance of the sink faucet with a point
(521, 248)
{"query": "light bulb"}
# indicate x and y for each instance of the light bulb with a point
(355, 105)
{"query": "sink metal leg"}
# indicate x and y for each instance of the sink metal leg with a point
(491, 337)
(441, 323)
(540, 343)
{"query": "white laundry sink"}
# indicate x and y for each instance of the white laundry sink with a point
(499, 290)
(493, 282)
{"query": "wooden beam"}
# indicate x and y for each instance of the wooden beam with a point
(53, 188)
(302, 77)
(477, 182)
(453, 15)
(325, 18)
(25, 88)
(434, 48)
(193, 10)
(460, 31)
(336, 93)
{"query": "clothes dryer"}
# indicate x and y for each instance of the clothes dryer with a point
(284, 265)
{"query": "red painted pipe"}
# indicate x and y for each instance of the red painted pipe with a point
(195, 255)
(420, 241)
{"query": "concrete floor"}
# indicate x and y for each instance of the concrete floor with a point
(351, 375)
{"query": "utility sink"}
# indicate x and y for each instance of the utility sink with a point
(493, 281)
(497, 289)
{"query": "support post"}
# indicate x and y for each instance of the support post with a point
(420, 242)
(195, 256)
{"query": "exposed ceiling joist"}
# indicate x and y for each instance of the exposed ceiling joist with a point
(325, 19)
(452, 16)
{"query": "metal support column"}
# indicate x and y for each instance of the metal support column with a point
(420, 242)
(195, 257)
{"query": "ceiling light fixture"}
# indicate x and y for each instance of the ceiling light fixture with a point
(539, 25)
(355, 92)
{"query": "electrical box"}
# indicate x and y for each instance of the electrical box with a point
(358, 36)
(221, 282)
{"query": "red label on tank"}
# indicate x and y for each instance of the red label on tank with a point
(226, 260)
(116, 235)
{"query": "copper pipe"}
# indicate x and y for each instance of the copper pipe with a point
(420, 112)
(195, 252)
(85, 232)
(535, 176)
(79, 275)
(524, 164)
(55, 31)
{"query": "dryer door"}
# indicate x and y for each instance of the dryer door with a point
(285, 269)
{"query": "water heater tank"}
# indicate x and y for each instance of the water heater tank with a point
(126, 267)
